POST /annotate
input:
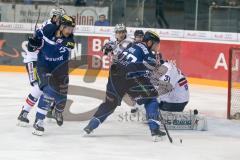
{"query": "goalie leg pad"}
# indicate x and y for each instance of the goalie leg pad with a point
(172, 107)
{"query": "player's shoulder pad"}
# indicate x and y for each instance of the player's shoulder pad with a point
(49, 30)
(142, 47)
(169, 65)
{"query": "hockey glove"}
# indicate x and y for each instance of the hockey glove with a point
(34, 44)
(107, 48)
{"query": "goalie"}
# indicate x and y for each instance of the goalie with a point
(178, 97)
(173, 89)
(169, 77)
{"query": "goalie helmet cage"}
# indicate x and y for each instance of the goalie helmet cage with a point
(233, 103)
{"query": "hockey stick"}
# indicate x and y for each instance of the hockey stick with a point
(161, 118)
(39, 12)
(165, 127)
(160, 115)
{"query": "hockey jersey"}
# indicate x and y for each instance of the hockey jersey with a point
(55, 51)
(180, 91)
(138, 53)
(117, 46)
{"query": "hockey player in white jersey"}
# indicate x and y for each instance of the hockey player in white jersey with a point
(55, 14)
(118, 42)
(170, 79)
(30, 59)
(178, 97)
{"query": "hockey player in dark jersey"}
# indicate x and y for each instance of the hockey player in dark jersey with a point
(138, 36)
(128, 75)
(55, 43)
(30, 60)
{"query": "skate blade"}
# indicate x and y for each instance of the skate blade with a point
(59, 123)
(37, 133)
(50, 120)
(158, 138)
(86, 134)
(22, 124)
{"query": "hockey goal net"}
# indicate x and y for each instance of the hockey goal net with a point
(233, 111)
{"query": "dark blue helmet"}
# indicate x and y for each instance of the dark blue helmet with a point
(150, 35)
(138, 33)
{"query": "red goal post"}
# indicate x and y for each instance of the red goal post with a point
(233, 103)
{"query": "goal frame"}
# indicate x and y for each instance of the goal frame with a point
(231, 51)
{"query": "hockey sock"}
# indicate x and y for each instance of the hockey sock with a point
(30, 102)
(41, 114)
(32, 98)
(45, 103)
(152, 114)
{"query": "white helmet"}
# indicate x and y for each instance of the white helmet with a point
(63, 11)
(120, 27)
(57, 12)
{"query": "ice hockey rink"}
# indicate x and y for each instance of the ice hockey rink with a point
(114, 140)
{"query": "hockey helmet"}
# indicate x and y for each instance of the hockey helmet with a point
(138, 33)
(150, 35)
(67, 21)
(120, 28)
(57, 12)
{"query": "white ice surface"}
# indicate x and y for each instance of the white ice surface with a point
(114, 140)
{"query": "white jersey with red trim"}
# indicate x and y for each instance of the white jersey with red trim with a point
(174, 76)
(117, 46)
(32, 56)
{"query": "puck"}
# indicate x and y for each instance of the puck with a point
(195, 112)
(180, 140)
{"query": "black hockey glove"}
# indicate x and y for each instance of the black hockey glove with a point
(34, 43)
(107, 48)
